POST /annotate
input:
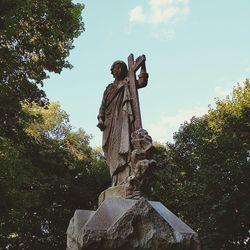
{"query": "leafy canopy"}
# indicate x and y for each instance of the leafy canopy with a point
(204, 176)
(35, 38)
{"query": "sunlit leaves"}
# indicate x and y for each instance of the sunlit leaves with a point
(205, 175)
(35, 38)
(232, 108)
(48, 121)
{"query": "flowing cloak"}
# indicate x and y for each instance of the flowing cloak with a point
(116, 111)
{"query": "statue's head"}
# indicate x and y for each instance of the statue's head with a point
(119, 70)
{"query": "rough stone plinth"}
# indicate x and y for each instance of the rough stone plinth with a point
(76, 224)
(116, 191)
(127, 224)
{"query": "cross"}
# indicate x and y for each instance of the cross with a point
(133, 66)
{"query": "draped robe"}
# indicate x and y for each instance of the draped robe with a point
(116, 112)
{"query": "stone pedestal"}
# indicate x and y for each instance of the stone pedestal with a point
(118, 191)
(127, 224)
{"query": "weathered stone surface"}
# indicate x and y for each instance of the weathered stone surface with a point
(125, 190)
(75, 225)
(126, 224)
(115, 191)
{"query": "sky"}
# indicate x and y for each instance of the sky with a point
(196, 50)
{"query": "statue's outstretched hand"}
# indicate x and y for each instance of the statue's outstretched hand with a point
(100, 124)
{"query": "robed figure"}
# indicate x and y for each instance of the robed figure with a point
(116, 119)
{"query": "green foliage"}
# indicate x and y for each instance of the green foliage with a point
(44, 165)
(35, 38)
(49, 121)
(205, 177)
(44, 179)
(47, 170)
(232, 109)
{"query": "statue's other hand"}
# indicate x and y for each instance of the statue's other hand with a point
(143, 80)
(100, 124)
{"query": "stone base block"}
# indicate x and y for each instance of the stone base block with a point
(127, 224)
(116, 191)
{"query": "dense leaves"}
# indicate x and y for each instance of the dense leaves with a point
(35, 38)
(47, 170)
(45, 179)
(205, 178)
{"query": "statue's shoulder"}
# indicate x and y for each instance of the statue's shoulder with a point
(109, 86)
(109, 89)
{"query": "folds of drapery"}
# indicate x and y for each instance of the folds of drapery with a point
(118, 124)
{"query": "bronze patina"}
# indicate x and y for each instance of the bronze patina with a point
(125, 143)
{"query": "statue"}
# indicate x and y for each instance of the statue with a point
(120, 120)
(125, 219)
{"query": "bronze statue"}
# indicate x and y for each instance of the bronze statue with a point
(119, 118)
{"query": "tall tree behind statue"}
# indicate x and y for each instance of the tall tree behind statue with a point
(35, 38)
(205, 174)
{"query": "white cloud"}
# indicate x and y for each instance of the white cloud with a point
(136, 15)
(248, 69)
(155, 3)
(163, 129)
(159, 15)
(184, 1)
(221, 92)
(161, 11)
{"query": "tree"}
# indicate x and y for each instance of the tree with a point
(46, 168)
(205, 177)
(44, 179)
(35, 38)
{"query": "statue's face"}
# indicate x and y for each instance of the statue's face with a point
(116, 71)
